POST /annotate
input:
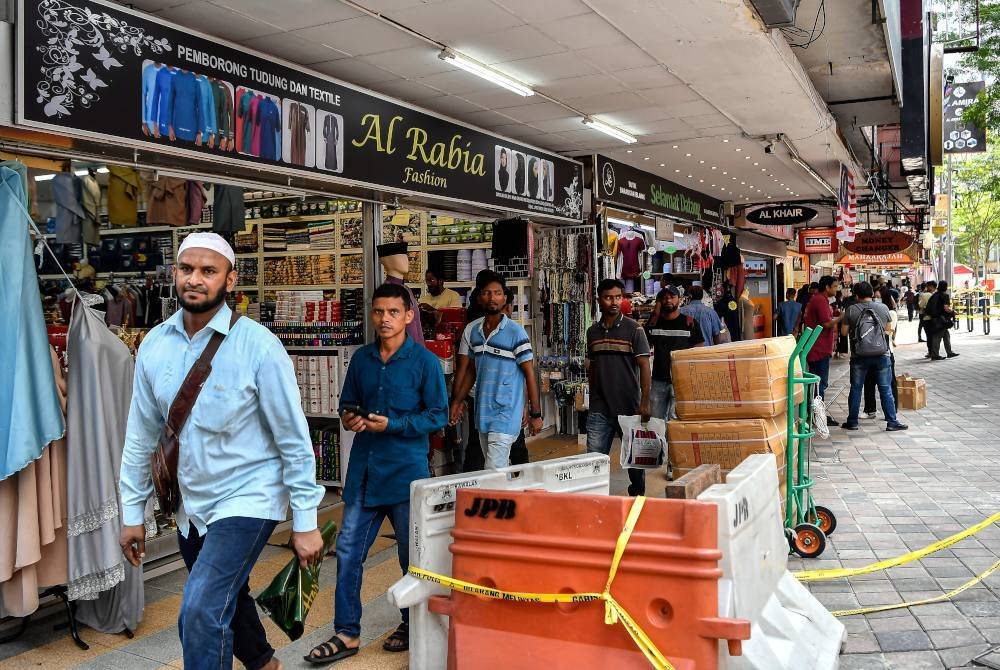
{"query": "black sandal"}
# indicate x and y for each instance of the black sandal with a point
(399, 640)
(331, 651)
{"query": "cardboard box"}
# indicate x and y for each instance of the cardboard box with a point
(727, 443)
(782, 476)
(741, 380)
(912, 392)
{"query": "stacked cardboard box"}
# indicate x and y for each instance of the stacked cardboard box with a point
(912, 392)
(732, 402)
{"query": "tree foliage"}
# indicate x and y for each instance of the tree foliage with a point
(976, 207)
(985, 112)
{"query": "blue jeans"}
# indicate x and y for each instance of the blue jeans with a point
(218, 617)
(882, 366)
(496, 449)
(601, 433)
(359, 529)
(821, 368)
(662, 400)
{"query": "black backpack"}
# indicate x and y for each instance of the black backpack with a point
(868, 337)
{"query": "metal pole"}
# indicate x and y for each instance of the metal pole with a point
(949, 270)
(371, 237)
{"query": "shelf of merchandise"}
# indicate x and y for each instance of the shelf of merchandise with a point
(306, 347)
(459, 246)
(310, 415)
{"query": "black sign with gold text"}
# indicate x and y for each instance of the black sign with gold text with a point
(98, 71)
(621, 184)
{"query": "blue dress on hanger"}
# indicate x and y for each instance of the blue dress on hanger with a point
(30, 413)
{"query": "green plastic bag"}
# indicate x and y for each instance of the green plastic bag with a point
(290, 594)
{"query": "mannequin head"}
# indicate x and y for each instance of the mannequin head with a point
(394, 260)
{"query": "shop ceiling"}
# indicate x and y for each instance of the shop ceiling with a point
(702, 86)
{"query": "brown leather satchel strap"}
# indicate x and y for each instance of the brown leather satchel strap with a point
(188, 392)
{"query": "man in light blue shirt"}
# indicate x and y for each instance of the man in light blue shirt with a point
(245, 453)
(712, 328)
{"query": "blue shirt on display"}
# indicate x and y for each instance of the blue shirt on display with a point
(159, 106)
(149, 74)
(185, 107)
(499, 380)
(207, 97)
(408, 389)
(245, 448)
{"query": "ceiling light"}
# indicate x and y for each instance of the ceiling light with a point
(775, 181)
(723, 189)
(689, 176)
(755, 163)
(781, 184)
(646, 158)
(688, 155)
(763, 169)
(663, 165)
(628, 151)
(701, 181)
(768, 197)
(45, 177)
(677, 170)
(746, 158)
(609, 130)
(675, 146)
(702, 162)
(738, 149)
(743, 183)
(724, 172)
(725, 140)
(487, 73)
(713, 185)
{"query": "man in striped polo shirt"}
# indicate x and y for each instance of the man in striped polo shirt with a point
(618, 370)
(498, 360)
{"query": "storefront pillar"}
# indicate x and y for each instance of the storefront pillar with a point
(371, 237)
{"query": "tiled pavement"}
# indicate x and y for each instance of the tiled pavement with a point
(891, 492)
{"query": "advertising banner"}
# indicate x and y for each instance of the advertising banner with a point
(621, 184)
(818, 241)
(961, 137)
(98, 71)
(878, 242)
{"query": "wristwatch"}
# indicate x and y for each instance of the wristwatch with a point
(535, 415)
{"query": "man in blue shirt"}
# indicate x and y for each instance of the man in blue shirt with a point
(393, 398)
(788, 313)
(496, 352)
(245, 453)
(712, 329)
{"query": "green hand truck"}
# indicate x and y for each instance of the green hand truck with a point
(807, 524)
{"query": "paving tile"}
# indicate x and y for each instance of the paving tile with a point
(959, 637)
(960, 656)
(919, 660)
(903, 640)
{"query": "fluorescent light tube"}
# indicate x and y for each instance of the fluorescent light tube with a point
(485, 72)
(45, 177)
(609, 130)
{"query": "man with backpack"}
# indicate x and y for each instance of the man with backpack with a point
(868, 325)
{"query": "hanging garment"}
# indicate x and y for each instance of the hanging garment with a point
(298, 127)
(159, 106)
(269, 124)
(30, 414)
(228, 209)
(149, 74)
(510, 239)
(185, 113)
(123, 195)
(195, 202)
(629, 249)
(255, 113)
(100, 391)
(532, 191)
(331, 135)
(207, 98)
(223, 110)
(245, 121)
(90, 198)
(167, 202)
(68, 210)
(32, 532)
(28, 187)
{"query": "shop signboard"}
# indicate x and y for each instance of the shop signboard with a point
(621, 184)
(818, 240)
(961, 137)
(877, 242)
(90, 69)
(781, 215)
(755, 269)
(881, 260)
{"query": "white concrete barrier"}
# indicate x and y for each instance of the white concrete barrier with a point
(432, 518)
(790, 628)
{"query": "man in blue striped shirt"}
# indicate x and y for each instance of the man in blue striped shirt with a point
(494, 355)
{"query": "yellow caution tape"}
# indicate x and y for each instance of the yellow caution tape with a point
(926, 601)
(837, 573)
(613, 612)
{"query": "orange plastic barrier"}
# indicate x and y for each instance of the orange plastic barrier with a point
(539, 542)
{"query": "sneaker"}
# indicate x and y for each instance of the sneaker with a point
(871, 415)
(851, 426)
(952, 355)
(936, 358)
(896, 426)
(830, 421)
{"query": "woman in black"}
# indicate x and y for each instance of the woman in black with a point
(532, 178)
(503, 175)
(519, 175)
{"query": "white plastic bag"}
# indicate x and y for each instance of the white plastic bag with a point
(819, 420)
(643, 446)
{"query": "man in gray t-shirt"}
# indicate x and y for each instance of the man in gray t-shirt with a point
(860, 365)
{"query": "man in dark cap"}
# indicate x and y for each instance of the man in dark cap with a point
(396, 264)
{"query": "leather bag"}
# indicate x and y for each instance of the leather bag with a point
(165, 457)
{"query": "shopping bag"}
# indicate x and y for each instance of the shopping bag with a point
(290, 594)
(819, 421)
(643, 446)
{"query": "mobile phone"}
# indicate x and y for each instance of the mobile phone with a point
(357, 410)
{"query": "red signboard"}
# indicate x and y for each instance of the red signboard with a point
(818, 240)
(879, 242)
(877, 259)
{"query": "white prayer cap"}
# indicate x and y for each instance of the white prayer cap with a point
(212, 241)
